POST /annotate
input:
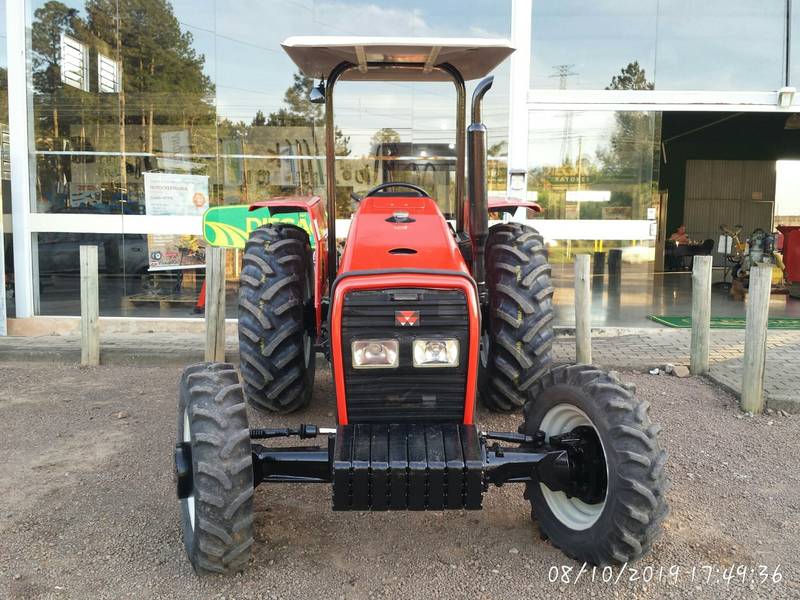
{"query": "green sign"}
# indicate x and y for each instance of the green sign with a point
(230, 226)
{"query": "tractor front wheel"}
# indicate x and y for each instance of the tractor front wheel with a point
(276, 345)
(516, 345)
(214, 469)
(617, 516)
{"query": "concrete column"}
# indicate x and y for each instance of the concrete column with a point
(23, 183)
(518, 90)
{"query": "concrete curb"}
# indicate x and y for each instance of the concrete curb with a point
(774, 401)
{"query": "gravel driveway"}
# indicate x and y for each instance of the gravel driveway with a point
(87, 507)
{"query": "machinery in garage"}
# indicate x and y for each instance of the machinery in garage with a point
(419, 318)
(791, 257)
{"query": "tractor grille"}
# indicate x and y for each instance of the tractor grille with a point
(405, 394)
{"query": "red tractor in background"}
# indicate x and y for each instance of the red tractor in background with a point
(419, 318)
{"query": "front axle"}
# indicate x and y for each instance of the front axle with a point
(417, 466)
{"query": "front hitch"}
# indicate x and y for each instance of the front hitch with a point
(427, 466)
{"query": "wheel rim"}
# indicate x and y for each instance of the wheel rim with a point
(307, 349)
(187, 438)
(572, 512)
(484, 350)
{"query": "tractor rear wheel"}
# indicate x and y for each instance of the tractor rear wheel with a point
(214, 468)
(516, 346)
(276, 347)
(617, 515)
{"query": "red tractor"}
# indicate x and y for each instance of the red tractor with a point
(419, 318)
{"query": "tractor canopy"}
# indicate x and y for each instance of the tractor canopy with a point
(318, 56)
(395, 59)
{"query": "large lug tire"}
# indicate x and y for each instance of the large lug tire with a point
(516, 345)
(217, 515)
(624, 525)
(276, 328)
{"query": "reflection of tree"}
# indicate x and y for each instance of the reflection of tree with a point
(162, 75)
(160, 79)
(51, 20)
(4, 95)
(259, 120)
(627, 162)
(383, 137)
(632, 77)
(299, 111)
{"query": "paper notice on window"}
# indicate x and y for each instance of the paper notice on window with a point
(175, 194)
(168, 194)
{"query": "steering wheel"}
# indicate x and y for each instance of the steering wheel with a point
(391, 184)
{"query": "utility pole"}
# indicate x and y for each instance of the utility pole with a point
(563, 72)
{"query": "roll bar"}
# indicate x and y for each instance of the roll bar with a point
(330, 154)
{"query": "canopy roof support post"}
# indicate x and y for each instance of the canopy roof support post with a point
(330, 170)
(330, 150)
(461, 140)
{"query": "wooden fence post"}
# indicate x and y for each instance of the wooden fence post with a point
(215, 304)
(755, 338)
(583, 310)
(701, 314)
(90, 307)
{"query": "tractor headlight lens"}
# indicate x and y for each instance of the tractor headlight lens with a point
(436, 353)
(375, 354)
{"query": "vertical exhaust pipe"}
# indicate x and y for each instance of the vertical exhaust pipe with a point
(478, 211)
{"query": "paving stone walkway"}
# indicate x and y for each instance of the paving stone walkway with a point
(612, 349)
(654, 348)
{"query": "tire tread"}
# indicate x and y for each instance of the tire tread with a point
(223, 470)
(520, 316)
(272, 299)
(637, 490)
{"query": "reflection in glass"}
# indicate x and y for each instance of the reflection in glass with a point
(595, 167)
(126, 88)
(110, 78)
(127, 287)
(681, 44)
(581, 45)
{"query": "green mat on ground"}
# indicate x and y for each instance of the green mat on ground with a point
(725, 322)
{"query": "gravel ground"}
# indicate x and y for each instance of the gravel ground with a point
(87, 506)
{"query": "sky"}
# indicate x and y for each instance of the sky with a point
(681, 44)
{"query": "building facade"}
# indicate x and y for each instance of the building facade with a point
(122, 120)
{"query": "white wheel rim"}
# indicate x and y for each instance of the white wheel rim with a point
(572, 512)
(187, 438)
(307, 349)
(484, 350)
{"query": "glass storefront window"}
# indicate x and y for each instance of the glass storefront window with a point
(679, 45)
(594, 174)
(794, 49)
(127, 287)
(134, 95)
(720, 45)
(580, 45)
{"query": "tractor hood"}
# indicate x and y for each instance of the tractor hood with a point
(391, 232)
(473, 58)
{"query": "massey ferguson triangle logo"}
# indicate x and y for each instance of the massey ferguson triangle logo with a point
(406, 318)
